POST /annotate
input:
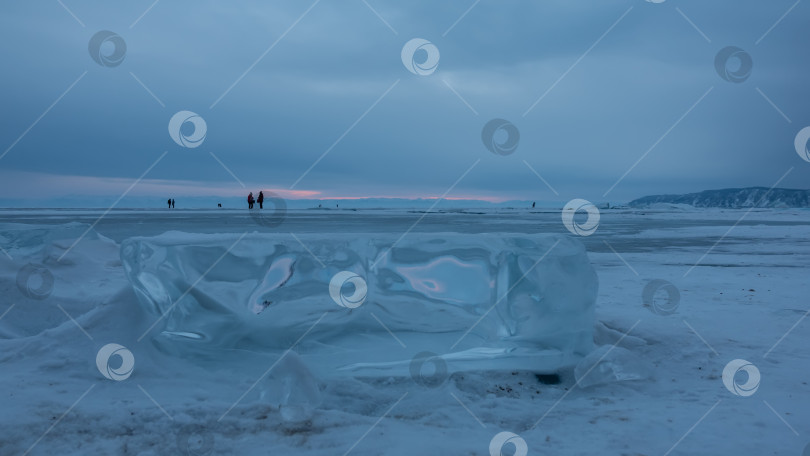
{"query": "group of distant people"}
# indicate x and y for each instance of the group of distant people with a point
(259, 200)
(251, 201)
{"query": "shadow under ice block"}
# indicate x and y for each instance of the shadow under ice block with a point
(477, 302)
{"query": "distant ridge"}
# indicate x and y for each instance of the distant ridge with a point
(732, 198)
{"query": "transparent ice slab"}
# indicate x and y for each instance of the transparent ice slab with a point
(478, 302)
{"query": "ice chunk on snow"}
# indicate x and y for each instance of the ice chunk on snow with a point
(292, 388)
(480, 301)
(610, 364)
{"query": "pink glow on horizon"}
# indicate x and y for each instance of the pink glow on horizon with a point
(28, 185)
(491, 199)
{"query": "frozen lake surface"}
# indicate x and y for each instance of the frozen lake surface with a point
(742, 284)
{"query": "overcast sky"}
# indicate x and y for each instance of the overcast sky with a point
(591, 87)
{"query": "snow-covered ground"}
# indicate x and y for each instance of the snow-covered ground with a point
(745, 299)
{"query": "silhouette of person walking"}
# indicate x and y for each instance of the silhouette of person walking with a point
(170, 203)
(261, 200)
(532, 204)
(250, 200)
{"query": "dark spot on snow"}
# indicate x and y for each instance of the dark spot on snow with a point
(300, 428)
(548, 379)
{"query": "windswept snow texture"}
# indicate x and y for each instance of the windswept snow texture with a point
(263, 290)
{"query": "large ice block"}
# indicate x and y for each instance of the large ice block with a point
(482, 301)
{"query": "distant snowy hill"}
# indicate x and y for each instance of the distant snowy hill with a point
(731, 198)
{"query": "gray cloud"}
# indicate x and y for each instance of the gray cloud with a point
(595, 123)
